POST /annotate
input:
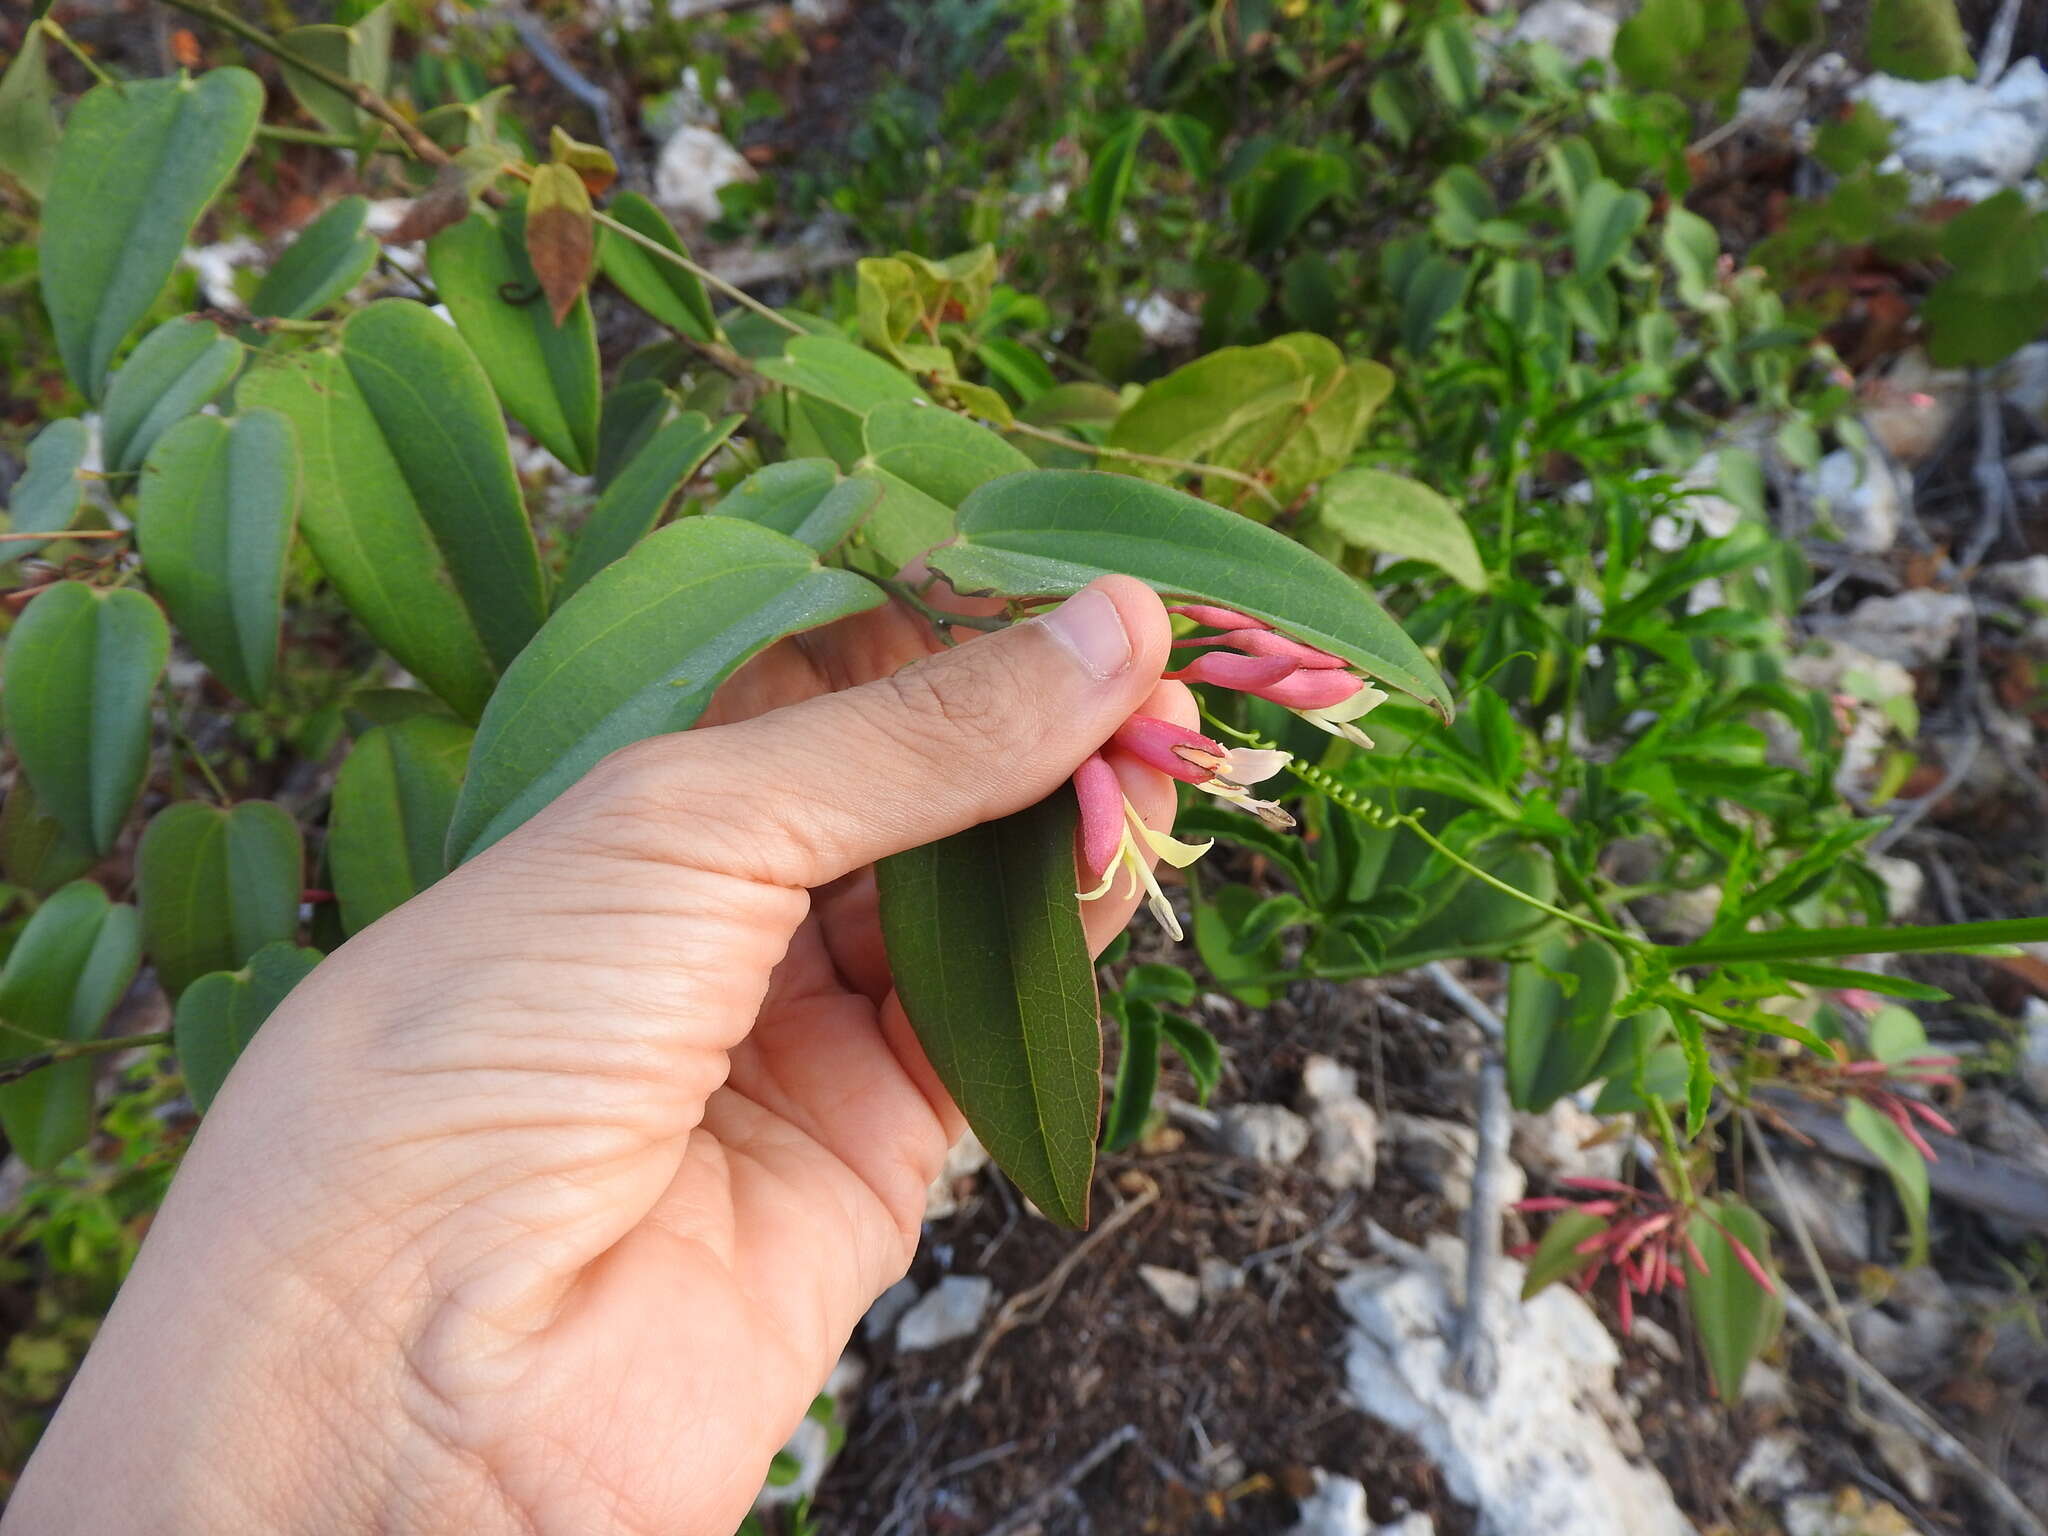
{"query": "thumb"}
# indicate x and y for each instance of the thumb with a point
(813, 791)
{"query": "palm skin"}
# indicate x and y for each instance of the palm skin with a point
(548, 1202)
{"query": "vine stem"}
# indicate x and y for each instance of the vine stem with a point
(65, 41)
(77, 533)
(938, 618)
(71, 1050)
(416, 143)
(1181, 466)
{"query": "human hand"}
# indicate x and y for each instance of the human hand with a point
(547, 1202)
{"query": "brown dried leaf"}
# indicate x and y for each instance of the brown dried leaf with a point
(446, 202)
(559, 239)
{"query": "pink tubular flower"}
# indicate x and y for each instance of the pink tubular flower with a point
(1225, 772)
(1102, 816)
(1316, 685)
(1878, 1083)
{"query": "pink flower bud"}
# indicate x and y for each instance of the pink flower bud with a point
(1268, 642)
(1173, 749)
(1310, 690)
(1219, 618)
(1248, 674)
(1102, 816)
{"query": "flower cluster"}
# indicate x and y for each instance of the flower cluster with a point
(1641, 1238)
(1876, 1084)
(1252, 657)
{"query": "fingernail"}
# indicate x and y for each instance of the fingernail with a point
(1089, 626)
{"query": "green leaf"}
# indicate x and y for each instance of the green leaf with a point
(1820, 943)
(35, 850)
(1697, 48)
(361, 52)
(1556, 1038)
(1918, 39)
(220, 1013)
(1693, 247)
(1371, 509)
(1453, 64)
(1904, 1165)
(411, 506)
(839, 373)
(70, 965)
(1160, 984)
(633, 412)
(636, 653)
(1109, 175)
(1556, 1257)
(635, 500)
(328, 258)
(939, 452)
(393, 801)
(1049, 532)
(1217, 920)
(1608, 218)
(1479, 919)
(219, 499)
(1197, 1050)
(546, 374)
(1837, 978)
(1137, 1077)
(81, 665)
(28, 120)
(804, 499)
(1434, 292)
(49, 493)
(139, 163)
(1464, 201)
(666, 291)
(1735, 1316)
(216, 886)
(983, 931)
(173, 371)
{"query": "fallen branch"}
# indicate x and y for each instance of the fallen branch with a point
(1912, 1418)
(1042, 1295)
(1475, 1359)
(1965, 1174)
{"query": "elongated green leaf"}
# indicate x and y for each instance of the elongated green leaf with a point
(633, 503)
(1109, 178)
(639, 652)
(1556, 1257)
(1480, 919)
(393, 799)
(28, 120)
(805, 499)
(1902, 1162)
(1371, 509)
(1052, 531)
(939, 452)
(1557, 1034)
(216, 886)
(328, 258)
(81, 665)
(905, 522)
(361, 52)
(221, 1012)
(633, 412)
(1197, 1050)
(35, 850)
(49, 493)
(1818, 943)
(138, 163)
(839, 373)
(1735, 1316)
(1608, 218)
(67, 970)
(837, 515)
(984, 936)
(666, 291)
(546, 374)
(411, 506)
(172, 372)
(218, 502)
(1137, 1076)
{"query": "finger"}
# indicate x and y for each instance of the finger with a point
(806, 794)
